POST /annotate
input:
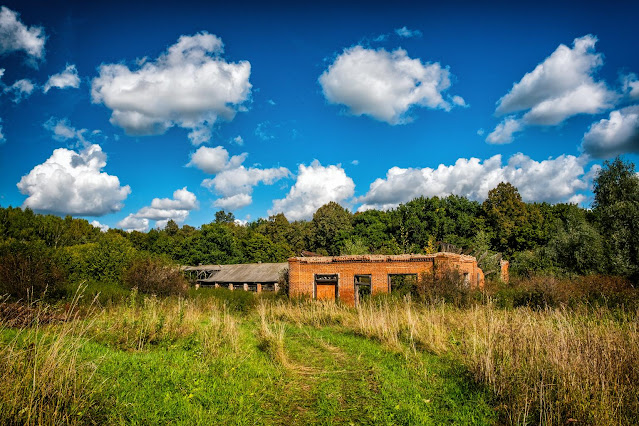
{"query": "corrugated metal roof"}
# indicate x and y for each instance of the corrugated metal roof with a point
(248, 273)
(202, 268)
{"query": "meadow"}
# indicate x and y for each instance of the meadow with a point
(221, 357)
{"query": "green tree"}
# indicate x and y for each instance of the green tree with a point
(506, 215)
(331, 225)
(224, 217)
(616, 208)
(171, 228)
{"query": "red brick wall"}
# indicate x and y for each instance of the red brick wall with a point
(302, 271)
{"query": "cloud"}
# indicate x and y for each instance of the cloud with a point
(63, 131)
(504, 131)
(133, 223)
(234, 202)
(103, 227)
(631, 85)
(72, 182)
(233, 181)
(552, 180)
(459, 101)
(238, 140)
(615, 135)
(316, 185)
(14, 35)
(355, 162)
(235, 185)
(190, 86)
(21, 89)
(67, 78)
(406, 33)
(162, 210)
(561, 86)
(2, 138)
(214, 160)
(384, 85)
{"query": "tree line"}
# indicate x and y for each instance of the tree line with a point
(537, 238)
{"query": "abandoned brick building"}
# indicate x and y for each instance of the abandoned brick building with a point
(347, 278)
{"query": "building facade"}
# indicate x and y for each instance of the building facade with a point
(349, 278)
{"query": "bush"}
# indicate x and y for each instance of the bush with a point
(30, 270)
(539, 292)
(448, 287)
(155, 276)
(235, 300)
(102, 261)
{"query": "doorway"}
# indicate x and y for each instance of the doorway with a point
(326, 286)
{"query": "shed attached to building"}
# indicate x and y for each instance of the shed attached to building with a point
(248, 276)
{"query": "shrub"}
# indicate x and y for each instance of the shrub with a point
(30, 269)
(235, 300)
(448, 287)
(539, 292)
(102, 261)
(155, 276)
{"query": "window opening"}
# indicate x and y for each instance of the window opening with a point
(363, 288)
(402, 284)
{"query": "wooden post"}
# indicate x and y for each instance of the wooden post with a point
(245, 287)
(259, 288)
(231, 287)
(217, 285)
(276, 287)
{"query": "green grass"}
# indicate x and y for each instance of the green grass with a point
(195, 361)
(332, 377)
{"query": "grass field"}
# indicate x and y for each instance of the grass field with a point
(209, 359)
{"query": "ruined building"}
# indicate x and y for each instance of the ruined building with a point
(348, 278)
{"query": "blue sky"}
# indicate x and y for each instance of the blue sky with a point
(131, 115)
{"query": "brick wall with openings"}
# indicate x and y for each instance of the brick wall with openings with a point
(312, 276)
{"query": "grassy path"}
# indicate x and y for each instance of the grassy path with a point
(335, 377)
(329, 376)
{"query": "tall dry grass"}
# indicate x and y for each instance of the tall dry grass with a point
(552, 366)
(44, 380)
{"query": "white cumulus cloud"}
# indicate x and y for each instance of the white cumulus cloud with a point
(214, 160)
(72, 182)
(102, 226)
(235, 185)
(14, 35)
(233, 182)
(190, 85)
(67, 78)
(161, 210)
(552, 180)
(504, 131)
(133, 223)
(561, 86)
(631, 85)
(615, 135)
(315, 186)
(384, 85)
